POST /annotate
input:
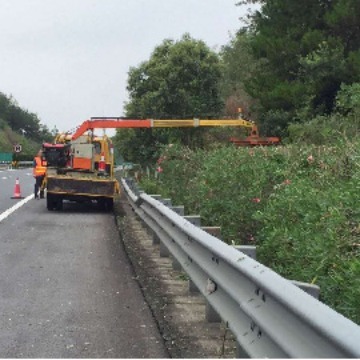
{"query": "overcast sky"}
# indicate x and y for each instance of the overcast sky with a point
(68, 60)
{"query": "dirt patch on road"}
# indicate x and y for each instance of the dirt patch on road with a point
(180, 317)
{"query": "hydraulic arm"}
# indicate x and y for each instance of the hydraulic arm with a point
(116, 123)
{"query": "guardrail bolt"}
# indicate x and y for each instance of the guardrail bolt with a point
(211, 286)
(252, 326)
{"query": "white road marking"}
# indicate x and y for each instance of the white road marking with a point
(18, 205)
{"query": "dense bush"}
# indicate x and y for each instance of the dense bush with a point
(298, 204)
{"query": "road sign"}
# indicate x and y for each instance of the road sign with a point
(17, 148)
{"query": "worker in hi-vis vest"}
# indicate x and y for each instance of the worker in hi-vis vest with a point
(39, 171)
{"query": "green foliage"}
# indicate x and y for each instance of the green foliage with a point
(348, 99)
(298, 204)
(310, 229)
(324, 130)
(323, 70)
(333, 128)
(238, 65)
(303, 54)
(180, 80)
(15, 121)
(8, 138)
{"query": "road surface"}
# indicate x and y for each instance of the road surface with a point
(66, 286)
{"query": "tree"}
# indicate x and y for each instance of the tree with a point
(306, 52)
(180, 80)
(21, 120)
(238, 66)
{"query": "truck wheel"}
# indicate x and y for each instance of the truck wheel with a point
(109, 204)
(50, 203)
(54, 202)
(59, 204)
(105, 204)
(101, 204)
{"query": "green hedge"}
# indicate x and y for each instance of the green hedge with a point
(298, 204)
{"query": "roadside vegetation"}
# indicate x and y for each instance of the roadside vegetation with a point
(19, 126)
(299, 204)
(295, 71)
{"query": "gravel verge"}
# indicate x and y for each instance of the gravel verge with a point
(180, 316)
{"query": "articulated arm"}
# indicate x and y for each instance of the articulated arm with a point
(117, 123)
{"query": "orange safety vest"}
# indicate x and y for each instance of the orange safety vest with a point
(40, 167)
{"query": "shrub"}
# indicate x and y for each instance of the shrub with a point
(298, 204)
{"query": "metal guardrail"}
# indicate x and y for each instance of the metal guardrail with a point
(5, 165)
(268, 315)
(23, 164)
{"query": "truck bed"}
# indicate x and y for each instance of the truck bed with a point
(85, 186)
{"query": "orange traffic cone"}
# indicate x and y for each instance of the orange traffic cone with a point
(17, 192)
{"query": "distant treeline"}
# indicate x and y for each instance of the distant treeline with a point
(21, 120)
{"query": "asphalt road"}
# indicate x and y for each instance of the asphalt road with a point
(67, 289)
(7, 186)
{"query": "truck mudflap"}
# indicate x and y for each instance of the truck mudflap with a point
(85, 187)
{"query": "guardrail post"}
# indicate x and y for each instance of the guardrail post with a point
(156, 196)
(211, 315)
(155, 239)
(213, 230)
(248, 250)
(193, 219)
(240, 352)
(193, 289)
(164, 252)
(180, 210)
(176, 265)
(148, 228)
(166, 202)
(311, 289)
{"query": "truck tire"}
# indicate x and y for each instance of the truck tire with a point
(106, 204)
(59, 203)
(50, 202)
(54, 202)
(109, 204)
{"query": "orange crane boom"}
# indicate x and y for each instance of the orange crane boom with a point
(253, 139)
(118, 122)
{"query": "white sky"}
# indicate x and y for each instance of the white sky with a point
(67, 60)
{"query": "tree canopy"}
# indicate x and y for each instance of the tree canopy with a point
(305, 52)
(290, 64)
(180, 80)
